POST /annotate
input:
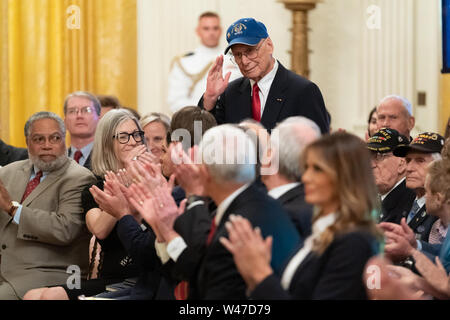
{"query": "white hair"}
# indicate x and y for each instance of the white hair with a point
(229, 154)
(405, 102)
(294, 134)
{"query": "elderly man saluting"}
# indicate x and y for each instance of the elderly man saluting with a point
(42, 228)
(268, 92)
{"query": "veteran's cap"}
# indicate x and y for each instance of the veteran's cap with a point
(385, 140)
(246, 31)
(427, 142)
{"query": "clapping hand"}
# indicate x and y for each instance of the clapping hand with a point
(190, 176)
(251, 253)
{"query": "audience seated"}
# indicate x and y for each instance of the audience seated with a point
(41, 220)
(81, 115)
(287, 142)
(192, 238)
(425, 148)
(389, 172)
(156, 126)
(338, 181)
(118, 136)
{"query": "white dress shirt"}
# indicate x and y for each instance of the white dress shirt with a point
(264, 85)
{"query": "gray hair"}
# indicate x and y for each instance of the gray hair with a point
(229, 154)
(87, 95)
(405, 102)
(294, 134)
(44, 115)
(103, 156)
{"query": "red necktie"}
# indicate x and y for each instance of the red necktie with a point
(77, 156)
(256, 103)
(211, 232)
(32, 184)
(182, 289)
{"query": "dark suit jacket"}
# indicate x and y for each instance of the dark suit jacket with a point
(140, 245)
(300, 212)
(10, 154)
(397, 204)
(421, 223)
(336, 274)
(214, 274)
(290, 95)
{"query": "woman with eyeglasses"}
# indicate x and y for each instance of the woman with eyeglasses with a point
(118, 140)
(339, 183)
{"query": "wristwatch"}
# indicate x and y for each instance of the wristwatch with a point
(13, 208)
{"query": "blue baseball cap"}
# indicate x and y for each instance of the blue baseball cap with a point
(246, 31)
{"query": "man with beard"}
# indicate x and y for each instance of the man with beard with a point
(43, 237)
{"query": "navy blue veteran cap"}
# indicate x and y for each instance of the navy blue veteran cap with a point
(427, 142)
(385, 140)
(246, 31)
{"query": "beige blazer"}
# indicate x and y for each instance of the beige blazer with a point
(51, 234)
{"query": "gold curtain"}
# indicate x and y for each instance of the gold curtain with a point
(51, 48)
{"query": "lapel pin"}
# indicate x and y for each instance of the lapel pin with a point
(279, 99)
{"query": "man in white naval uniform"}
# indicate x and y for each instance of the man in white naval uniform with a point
(187, 78)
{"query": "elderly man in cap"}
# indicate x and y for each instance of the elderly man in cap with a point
(267, 92)
(425, 148)
(389, 172)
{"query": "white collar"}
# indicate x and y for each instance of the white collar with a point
(281, 190)
(266, 82)
(322, 224)
(421, 201)
(223, 206)
(383, 196)
(204, 50)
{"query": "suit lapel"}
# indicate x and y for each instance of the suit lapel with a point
(276, 98)
(51, 178)
(20, 181)
(244, 100)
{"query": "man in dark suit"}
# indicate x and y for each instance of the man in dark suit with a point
(81, 115)
(389, 172)
(193, 245)
(10, 154)
(287, 142)
(267, 92)
(425, 148)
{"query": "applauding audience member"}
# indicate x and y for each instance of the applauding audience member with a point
(287, 142)
(118, 135)
(192, 244)
(339, 182)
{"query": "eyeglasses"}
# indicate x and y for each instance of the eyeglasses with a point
(124, 137)
(39, 139)
(377, 157)
(251, 53)
(83, 111)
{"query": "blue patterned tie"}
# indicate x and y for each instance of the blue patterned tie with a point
(413, 211)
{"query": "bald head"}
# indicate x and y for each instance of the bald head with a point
(395, 112)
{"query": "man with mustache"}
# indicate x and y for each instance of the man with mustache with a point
(42, 230)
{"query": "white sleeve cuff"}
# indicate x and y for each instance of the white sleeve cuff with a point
(161, 251)
(176, 247)
(419, 245)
